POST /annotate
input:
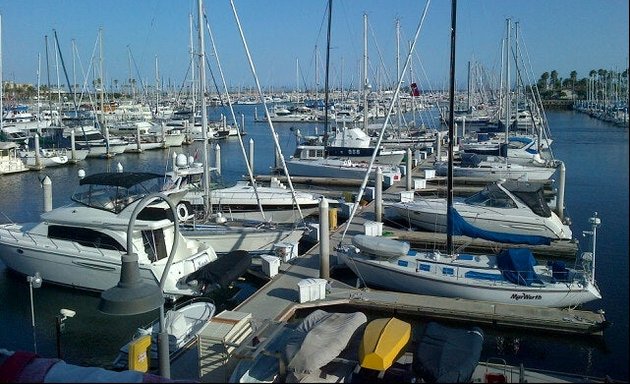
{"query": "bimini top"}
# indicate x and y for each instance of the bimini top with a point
(119, 179)
(115, 191)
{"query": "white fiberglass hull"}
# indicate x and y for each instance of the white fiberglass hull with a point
(430, 215)
(104, 151)
(333, 168)
(89, 268)
(225, 239)
(47, 162)
(239, 202)
(472, 278)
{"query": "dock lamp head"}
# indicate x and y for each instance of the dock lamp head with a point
(131, 296)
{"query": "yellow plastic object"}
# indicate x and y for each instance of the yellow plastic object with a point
(332, 218)
(138, 354)
(383, 342)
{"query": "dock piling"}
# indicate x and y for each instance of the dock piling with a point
(217, 158)
(378, 195)
(408, 173)
(251, 154)
(560, 197)
(324, 237)
(47, 185)
(38, 159)
(73, 150)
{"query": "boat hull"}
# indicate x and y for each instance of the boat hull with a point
(430, 215)
(253, 240)
(94, 269)
(383, 342)
(380, 273)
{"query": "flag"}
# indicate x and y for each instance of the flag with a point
(415, 91)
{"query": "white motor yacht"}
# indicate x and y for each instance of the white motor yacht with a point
(81, 245)
(514, 211)
(239, 202)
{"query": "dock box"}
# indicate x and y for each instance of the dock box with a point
(389, 178)
(312, 289)
(345, 209)
(406, 196)
(373, 228)
(429, 173)
(285, 251)
(370, 193)
(270, 265)
(419, 184)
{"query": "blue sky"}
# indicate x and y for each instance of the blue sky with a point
(561, 35)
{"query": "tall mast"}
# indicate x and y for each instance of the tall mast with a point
(508, 115)
(204, 112)
(192, 72)
(1, 90)
(366, 83)
(451, 129)
(468, 90)
(101, 81)
(157, 86)
(327, 75)
(518, 74)
(398, 72)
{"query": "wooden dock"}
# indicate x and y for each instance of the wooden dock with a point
(278, 299)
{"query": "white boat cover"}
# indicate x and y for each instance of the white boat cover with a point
(380, 246)
(329, 334)
(316, 341)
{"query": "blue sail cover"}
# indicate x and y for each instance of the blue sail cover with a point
(462, 227)
(517, 266)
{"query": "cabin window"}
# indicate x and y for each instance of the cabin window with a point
(154, 245)
(84, 236)
(447, 271)
(424, 267)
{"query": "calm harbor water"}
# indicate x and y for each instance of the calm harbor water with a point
(596, 158)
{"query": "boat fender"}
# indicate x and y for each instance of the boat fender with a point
(182, 212)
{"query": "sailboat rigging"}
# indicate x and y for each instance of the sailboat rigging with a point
(511, 277)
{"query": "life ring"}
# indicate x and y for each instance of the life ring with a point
(182, 211)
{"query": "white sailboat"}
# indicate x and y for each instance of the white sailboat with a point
(511, 276)
(345, 152)
(228, 236)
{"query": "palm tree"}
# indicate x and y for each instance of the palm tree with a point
(542, 83)
(554, 79)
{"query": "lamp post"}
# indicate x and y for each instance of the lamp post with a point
(132, 296)
(34, 281)
(63, 314)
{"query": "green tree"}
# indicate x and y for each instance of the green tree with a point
(553, 81)
(543, 81)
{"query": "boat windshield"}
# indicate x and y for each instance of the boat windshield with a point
(494, 198)
(115, 191)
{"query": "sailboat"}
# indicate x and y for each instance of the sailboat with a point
(225, 236)
(514, 159)
(511, 277)
(344, 153)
